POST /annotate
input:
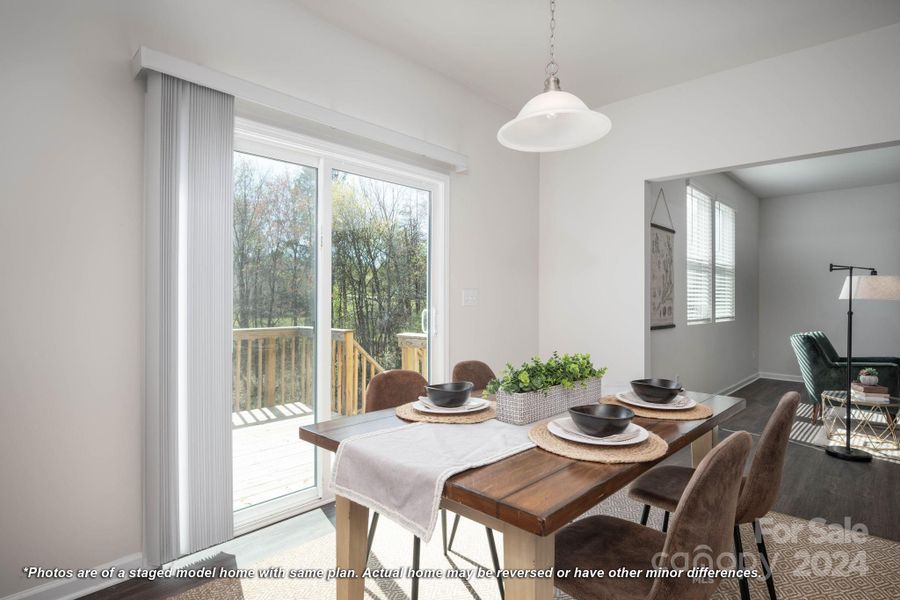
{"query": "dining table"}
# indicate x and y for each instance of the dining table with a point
(527, 497)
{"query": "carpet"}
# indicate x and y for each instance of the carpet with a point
(811, 560)
(804, 431)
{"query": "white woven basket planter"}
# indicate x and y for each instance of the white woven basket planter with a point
(521, 409)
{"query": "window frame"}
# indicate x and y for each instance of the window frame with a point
(713, 265)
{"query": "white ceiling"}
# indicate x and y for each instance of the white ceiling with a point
(607, 49)
(832, 172)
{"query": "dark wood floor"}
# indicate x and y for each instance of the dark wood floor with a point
(814, 486)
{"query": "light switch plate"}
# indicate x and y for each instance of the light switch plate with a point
(470, 297)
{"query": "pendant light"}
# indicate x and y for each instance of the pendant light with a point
(554, 120)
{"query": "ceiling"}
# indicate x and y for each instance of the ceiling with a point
(823, 173)
(607, 49)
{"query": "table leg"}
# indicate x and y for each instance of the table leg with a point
(351, 523)
(524, 550)
(702, 445)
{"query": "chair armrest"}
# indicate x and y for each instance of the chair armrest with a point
(862, 364)
(892, 360)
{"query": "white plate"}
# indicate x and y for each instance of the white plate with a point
(563, 428)
(471, 405)
(634, 400)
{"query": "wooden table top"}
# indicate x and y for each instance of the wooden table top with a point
(536, 490)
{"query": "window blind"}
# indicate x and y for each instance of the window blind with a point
(699, 256)
(725, 262)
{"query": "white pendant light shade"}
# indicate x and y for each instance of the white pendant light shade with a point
(553, 121)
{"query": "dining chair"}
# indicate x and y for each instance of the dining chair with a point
(391, 389)
(699, 535)
(479, 373)
(663, 486)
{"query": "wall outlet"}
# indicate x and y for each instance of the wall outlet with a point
(470, 297)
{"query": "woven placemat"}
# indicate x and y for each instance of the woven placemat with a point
(701, 411)
(408, 413)
(654, 448)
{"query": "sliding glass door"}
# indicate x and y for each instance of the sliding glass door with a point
(274, 331)
(379, 277)
(338, 275)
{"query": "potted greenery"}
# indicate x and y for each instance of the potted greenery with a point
(537, 389)
(868, 376)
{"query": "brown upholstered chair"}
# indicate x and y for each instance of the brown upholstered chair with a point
(394, 388)
(700, 533)
(479, 373)
(663, 486)
(391, 389)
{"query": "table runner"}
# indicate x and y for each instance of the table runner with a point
(400, 472)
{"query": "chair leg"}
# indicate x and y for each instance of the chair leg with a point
(415, 580)
(739, 560)
(453, 533)
(495, 560)
(645, 514)
(371, 535)
(767, 568)
(816, 412)
(444, 529)
(665, 522)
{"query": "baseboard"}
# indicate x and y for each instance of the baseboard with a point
(736, 386)
(781, 376)
(69, 589)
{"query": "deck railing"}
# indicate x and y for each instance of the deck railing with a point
(414, 352)
(272, 366)
(353, 368)
(275, 366)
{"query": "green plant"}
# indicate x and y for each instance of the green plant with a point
(869, 371)
(536, 375)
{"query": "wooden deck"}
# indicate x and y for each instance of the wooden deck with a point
(269, 460)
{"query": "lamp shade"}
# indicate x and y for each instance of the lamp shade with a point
(872, 287)
(552, 121)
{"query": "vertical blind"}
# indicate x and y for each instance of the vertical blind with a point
(724, 253)
(699, 256)
(189, 142)
(710, 258)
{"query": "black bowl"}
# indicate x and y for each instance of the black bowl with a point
(656, 391)
(601, 420)
(449, 395)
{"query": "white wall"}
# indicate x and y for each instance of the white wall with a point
(71, 171)
(592, 212)
(799, 236)
(711, 356)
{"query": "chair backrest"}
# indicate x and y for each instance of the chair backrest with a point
(393, 388)
(701, 528)
(825, 345)
(816, 358)
(477, 372)
(763, 482)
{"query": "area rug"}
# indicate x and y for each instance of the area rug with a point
(811, 560)
(804, 431)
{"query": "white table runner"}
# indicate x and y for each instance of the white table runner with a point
(400, 472)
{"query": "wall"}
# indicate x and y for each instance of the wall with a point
(711, 356)
(799, 236)
(593, 239)
(71, 170)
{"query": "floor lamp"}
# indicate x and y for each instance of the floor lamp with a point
(870, 287)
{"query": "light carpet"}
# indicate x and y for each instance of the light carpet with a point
(806, 432)
(810, 561)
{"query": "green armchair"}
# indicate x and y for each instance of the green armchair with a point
(823, 369)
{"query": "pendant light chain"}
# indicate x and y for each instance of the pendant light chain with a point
(552, 67)
(553, 120)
